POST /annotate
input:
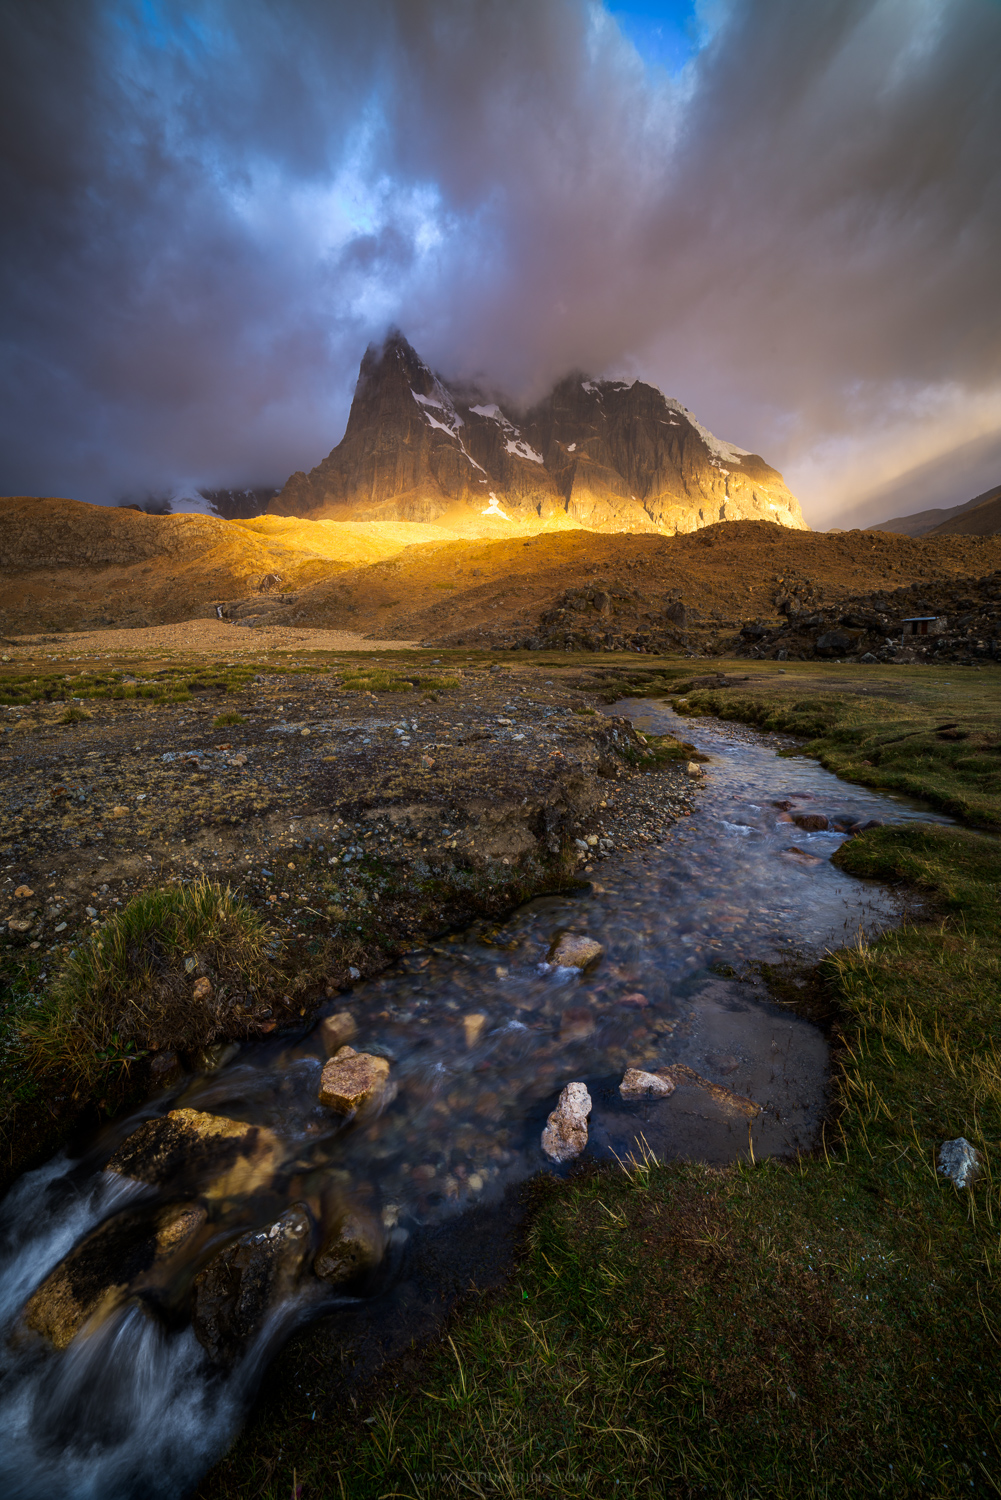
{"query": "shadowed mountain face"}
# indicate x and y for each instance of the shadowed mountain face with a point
(609, 455)
(980, 516)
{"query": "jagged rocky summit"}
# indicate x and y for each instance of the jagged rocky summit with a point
(609, 455)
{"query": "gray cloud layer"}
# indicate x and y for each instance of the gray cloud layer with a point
(210, 206)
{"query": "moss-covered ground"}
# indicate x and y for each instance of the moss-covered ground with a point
(827, 1327)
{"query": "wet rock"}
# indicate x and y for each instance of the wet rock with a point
(235, 1292)
(959, 1161)
(633, 1001)
(474, 1026)
(336, 1031)
(210, 1059)
(574, 952)
(694, 770)
(98, 1273)
(636, 1084)
(355, 1246)
(565, 1133)
(221, 1158)
(351, 1079)
(803, 855)
(811, 822)
(165, 1069)
(726, 1098)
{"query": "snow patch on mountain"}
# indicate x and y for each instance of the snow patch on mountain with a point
(728, 451)
(521, 449)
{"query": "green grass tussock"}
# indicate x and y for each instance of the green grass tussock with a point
(128, 987)
(384, 680)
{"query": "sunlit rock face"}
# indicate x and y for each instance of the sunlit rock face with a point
(609, 455)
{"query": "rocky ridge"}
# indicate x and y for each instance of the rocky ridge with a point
(608, 455)
(963, 621)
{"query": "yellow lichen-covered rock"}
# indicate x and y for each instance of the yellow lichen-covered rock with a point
(353, 1079)
(211, 1154)
(572, 951)
(99, 1273)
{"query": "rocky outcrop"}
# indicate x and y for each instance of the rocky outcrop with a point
(959, 619)
(608, 455)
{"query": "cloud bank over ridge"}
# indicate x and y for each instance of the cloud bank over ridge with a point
(211, 206)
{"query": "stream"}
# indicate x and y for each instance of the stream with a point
(481, 1033)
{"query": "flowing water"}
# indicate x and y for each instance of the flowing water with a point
(133, 1407)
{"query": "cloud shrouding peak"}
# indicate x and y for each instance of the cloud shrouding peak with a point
(211, 206)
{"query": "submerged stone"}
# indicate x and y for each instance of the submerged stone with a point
(336, 1030)
(572, 951)
(355, 1246)
(725, 1098)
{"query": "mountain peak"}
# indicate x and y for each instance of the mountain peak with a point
(609, 455)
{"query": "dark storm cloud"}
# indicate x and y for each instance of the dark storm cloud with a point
(210, 207)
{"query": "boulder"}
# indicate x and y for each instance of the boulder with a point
(727, 1100)
(565, 1133)
(834, 643)
(959, 1161)
(572, 951)
(99, 1273)
(636, 1084)
(336, 1031)
(351, 1080)
(219, 1157)
(355, 1246)
(694, 770)
(811, 822)
(235, 1292)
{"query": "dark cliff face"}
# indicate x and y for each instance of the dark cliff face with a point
(604, 454)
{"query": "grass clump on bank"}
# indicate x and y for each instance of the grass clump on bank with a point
(130, 986)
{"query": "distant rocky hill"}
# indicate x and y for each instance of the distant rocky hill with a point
(980, 516)
(608, 455)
